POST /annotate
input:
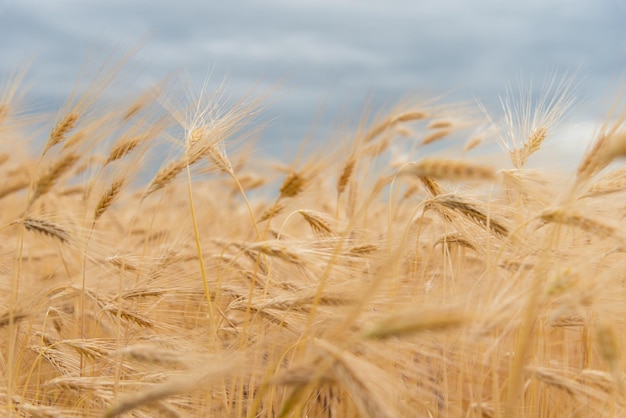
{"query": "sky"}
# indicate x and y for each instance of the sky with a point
(325, 59)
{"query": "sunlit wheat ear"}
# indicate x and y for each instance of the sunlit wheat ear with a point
(277, 250)
(217, 156)
(613, 182)
(528, 120)
(271, 212)
(471, 212)
(362, 380)
(410, 191)
(140, 104)
(123, 148)
(375, 149)
(415, 321)
(444, 169)
(610, 350)
(346, 174)
(472, 143)
(15, 316)
(317, 221)
(363, 250)
(439, 124)
(45, 227)
(532, 145)
(152, 354)
(435, 136)
(610, 145)
(201, 139)
(60, 131)
(293, 185)
(13, 187)
(49, 178)
(556, 379)
(456, 239)
(57, 359)
(571, 218)
(122, 264)
(187, 383)
(608, 343)
(249, 181)
(132, 140)
(594, 159)
(301, 375)
(432, 185)
(107, 199)
(165, 176)
(605, 381)
(35, 410)
(128, 316)
(4, 112)
(392, 121)
(294, 302)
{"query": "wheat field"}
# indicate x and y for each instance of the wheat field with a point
(356, 280)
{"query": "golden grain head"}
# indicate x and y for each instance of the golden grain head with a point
(271, 212)
(49, 178)
(473, 143)
(446, 169)
(610, 145)
(62, 128)
(439, 124)
(292, 186)
(608, 343)
(578, 220)
(4, 111)
(435, 136)
(317, 221)
(109, 196)
(46, 227)
(346, 175)
(120, 150)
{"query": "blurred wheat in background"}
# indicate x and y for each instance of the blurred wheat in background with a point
(358, 281)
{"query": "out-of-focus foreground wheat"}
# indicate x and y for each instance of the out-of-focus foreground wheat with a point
(347, 283)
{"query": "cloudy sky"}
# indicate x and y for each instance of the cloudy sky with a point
(328, 56)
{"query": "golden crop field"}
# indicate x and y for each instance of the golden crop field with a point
(355, 280)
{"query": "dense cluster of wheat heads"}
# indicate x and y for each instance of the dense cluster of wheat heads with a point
(355, 282)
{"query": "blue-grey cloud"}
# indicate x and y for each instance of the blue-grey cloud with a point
(324, 53)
